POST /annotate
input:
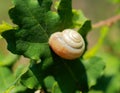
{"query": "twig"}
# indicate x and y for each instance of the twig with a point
(109, 22)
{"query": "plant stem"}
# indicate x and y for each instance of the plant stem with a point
(108, 22)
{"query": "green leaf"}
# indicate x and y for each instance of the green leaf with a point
(10, 37)
(36, 23)
(16, 89)
(16, 86)
(65, 13)
(51, 85)
(8, 82)
(114, 85)
(70, 76)
(56, 88)
(8, 60)
(20, 75)
(94, 71)
(32, 25)
(6, 79)
(109, 81)
(29, 80)
(81, 22)
(32, 77)
(0, 36)
(107, 84)
(112, 63)
(5, 26)
(78, 75)
(49, 82)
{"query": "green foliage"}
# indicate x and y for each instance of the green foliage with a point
(109, 82)
(114, 1)
(46, 71)
(73, 76)
(38, 27)
(3, 27)
(7, 82)
(8, 60)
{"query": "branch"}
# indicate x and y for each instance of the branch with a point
(109, 22)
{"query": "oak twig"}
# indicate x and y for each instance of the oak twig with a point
(108, 22)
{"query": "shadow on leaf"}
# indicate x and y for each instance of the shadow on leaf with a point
(70, 75)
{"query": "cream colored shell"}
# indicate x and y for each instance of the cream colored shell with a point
(67, 44)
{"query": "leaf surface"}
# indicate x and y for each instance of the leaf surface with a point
(36, 22)
(32, 17)
(68, 77)
(6, 79)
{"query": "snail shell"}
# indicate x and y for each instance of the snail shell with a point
(67, 44)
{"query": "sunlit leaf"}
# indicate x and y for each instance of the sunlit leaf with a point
(8, 60)
(72, 76)
(36, 22)
(6, 79)
(5, 26)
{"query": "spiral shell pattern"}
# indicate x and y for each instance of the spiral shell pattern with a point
(67, 44)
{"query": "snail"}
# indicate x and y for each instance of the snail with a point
(67, 44)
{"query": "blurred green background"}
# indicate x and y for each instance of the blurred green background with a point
(108, 49)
